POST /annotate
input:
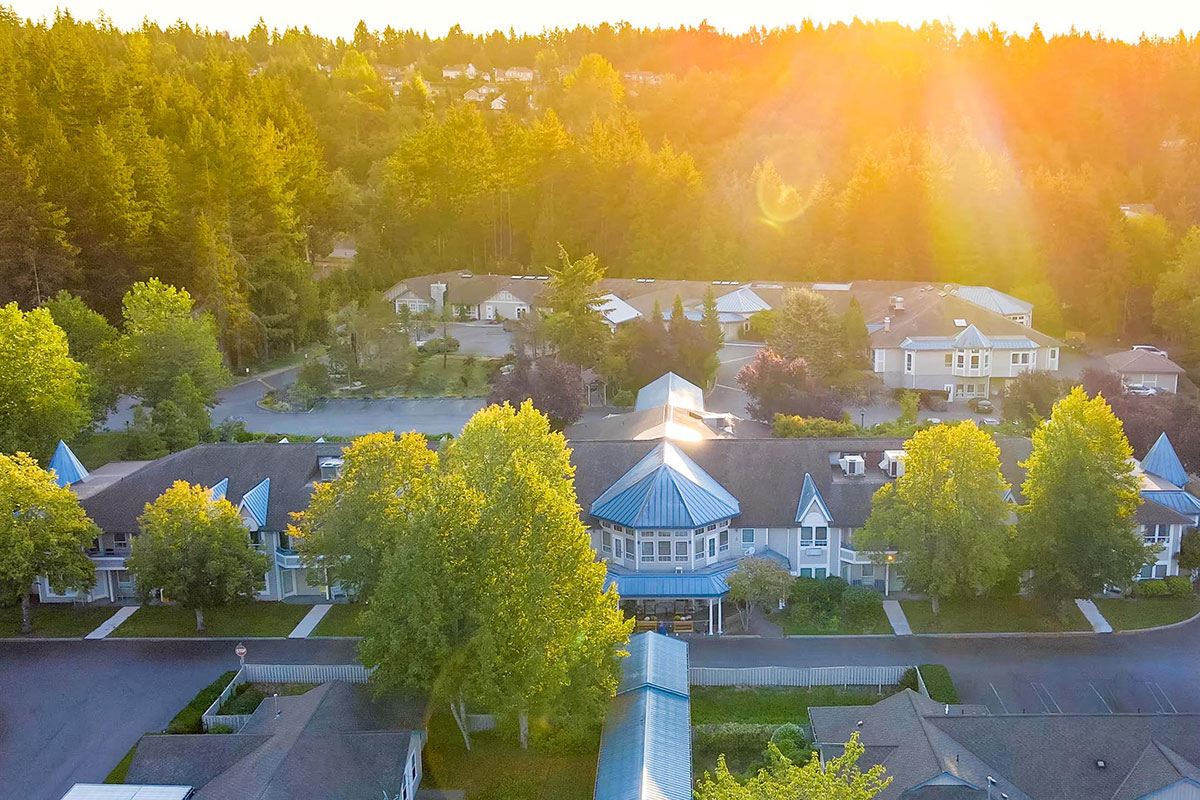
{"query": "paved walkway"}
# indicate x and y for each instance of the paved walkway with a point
(895, 615)
(112, 623)
(1097, 620)
(315, 615)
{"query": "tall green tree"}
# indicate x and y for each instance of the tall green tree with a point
(710, 320)
(574, 324)
(945, 517)
(803, 328)
(163, 338)
(758, 583)
(196, 550)
(36, 258)
(840, 778)
(91, 340)
(43, 531)
(43, 391)
(1177, 297)
(353, 521)
(855, 338)
(1077, 527)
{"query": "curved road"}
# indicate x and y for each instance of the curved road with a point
(70, 710)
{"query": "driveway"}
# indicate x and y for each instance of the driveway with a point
(70, 710)
(726, 396)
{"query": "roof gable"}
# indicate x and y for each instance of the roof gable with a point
(810, 495)
(972, 337)
(657, 661)
(670, 390)
(1161, 460)
(218, 490)
(67, 468)
(665, 489)
(257, 500)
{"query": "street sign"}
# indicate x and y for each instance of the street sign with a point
(240, 650)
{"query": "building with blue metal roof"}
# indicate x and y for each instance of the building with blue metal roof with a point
(670, 390)
(67, 468)
(646, 744)
(1168, 509)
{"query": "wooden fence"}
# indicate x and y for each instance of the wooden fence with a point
(796, 676)
(278, 673)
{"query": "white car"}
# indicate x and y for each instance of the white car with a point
(991, 421)
(1149, 348)
(1140, 391)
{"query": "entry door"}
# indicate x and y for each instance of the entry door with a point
(710, 549)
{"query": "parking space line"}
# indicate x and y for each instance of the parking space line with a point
(1157, 692)
(998, 698)
(1102, 700)
(1040, 689)
(1038, 695)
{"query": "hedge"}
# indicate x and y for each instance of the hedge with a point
(190, 718)
(938, 682)
(740, 741)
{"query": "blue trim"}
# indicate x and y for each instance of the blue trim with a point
(257, 500)
(67, 468)
(217, 492)
(1162, 461)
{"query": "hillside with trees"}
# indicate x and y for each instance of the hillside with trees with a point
(228, 166)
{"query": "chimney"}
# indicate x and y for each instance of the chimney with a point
(437, 293)
(887, 324)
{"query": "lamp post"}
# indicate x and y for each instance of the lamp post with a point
(887, 574)
(862, 417)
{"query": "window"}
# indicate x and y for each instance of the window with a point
(629, 551)
(617, 549)
(806, 537)
(949, 359)
(255, 539)
(747, 535)
(1020, 359)
(974, 359)
(712, 547)
(606, 542)
(908, 362)
(712, 527)
(120, 541)
(647, 551)
(1146, 573)
(806, 572)
(681, 551)
(819, 573)
(960, 359)
(1054, 354)
(1160, 570)
(1153, 534)
(822, 537)
(664, 551)
(880, 357)
(724, 541)
(868, 570)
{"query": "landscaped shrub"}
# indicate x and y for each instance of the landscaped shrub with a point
(221, 729)
(440, 345)
(1155, 588)
(938, 682)
(623, 399)
(909, 680)
(1179, 586)
(740, 742)
(793, 427)
(792, 742)
(859, 605)
(190, 718)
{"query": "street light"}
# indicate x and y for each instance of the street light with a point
(862, 417)
(887, 574)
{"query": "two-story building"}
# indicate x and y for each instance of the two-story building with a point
(467, 295)
(1168, 509)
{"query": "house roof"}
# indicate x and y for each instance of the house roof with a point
(934, 314)
(742, 300)
(125, 791)
(333, 741)
(1031, 756)
(670, 390)
(67, 468)
(809, 494)
(1168, 508)
(972, 337)
(292, 469)
(766, 476)
(665, 489)
(1161, 460)
(633, 585)
(994, 300)
(257, 501)
(668, 422)
(1142, 361)
(645, 747)
(217, 491)
(616, 310)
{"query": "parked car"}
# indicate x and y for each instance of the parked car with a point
(990, 421)
(981, 405)
(1140, 390)
(1149, 348)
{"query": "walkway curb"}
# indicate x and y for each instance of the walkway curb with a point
(1094, 617)
(306, 625)
(112, 623)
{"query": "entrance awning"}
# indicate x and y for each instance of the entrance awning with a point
(668, 585)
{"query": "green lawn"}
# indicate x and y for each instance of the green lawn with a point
(98, 448)
(773, 705)
(53, 620)
(799, 624)
(434, 380)
(252, 619)
(1147, 612)
(341, 620)
(122, 768)
(990, 615)
(497, 769)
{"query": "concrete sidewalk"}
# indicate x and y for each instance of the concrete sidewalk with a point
(895, 615)
(1094, 617)
(315, 615)
(112, 623)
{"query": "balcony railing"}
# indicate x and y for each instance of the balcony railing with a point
(287, 559)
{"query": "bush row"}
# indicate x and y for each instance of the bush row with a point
(190, 718)
(1174, 586)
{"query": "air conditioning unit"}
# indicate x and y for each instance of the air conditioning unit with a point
(853, 465)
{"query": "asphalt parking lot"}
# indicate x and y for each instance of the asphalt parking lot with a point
(1121, 694)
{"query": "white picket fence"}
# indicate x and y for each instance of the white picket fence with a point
(796, 676)
(278, 673)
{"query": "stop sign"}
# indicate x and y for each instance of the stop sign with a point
(240, 650)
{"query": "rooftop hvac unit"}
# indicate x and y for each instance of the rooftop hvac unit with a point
(853, 465)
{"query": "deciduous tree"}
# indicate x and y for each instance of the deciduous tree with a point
(43, 531)
(945, 517)
(572, 318)
(1077, 526)
(840, 778)
(803, 328)
(553, 386)
(757, 583)
(196, 550)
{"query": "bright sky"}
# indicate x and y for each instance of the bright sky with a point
(1125, 19)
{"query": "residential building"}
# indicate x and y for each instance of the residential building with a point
(1145, 368)
(499, 103)
(474, 96)
(456, 71)
(1006, 305)
(469, 296)
(646, 744)
(522, 74)
(1168, 509)
(336, 740)
(641, 77)
(265, 482)
(616, 311)
(934, 751)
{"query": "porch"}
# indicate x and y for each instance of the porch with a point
(673, 602)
